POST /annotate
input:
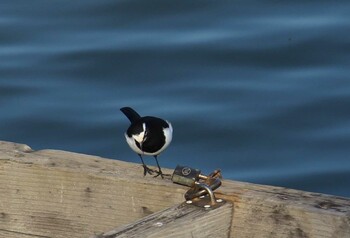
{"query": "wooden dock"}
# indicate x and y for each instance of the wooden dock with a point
(52, 193)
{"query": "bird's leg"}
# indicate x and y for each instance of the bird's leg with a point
(159, 172)
(145, 168)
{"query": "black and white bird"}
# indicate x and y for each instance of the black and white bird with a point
(147, 136)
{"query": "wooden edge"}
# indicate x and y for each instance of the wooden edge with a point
(182, 220)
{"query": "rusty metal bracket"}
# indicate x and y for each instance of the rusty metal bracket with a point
(202, 186)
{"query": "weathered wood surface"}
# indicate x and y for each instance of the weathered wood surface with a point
(52, 193)
(266, 211)
(185, 221)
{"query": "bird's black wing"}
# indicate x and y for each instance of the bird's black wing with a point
(155, 138)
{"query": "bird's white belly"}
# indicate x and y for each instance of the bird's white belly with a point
(132, 144)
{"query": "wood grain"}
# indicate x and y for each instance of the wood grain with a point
(61, 194)
(51, 193)
(179, 221)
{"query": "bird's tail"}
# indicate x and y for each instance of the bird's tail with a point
(130, 113)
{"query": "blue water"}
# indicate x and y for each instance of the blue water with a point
(260, 89)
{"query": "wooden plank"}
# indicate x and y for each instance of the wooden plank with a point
(61, 194)
(52, 193)
(15, 234)
(267, 211)
(179, 221)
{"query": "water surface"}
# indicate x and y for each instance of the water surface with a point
(260, 89)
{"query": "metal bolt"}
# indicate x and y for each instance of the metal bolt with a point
(158, 224)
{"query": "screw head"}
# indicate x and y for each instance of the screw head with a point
(159, 224)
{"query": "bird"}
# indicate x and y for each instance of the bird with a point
(147, 135)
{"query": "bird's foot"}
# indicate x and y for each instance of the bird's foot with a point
(161, 174)
(147, 170)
